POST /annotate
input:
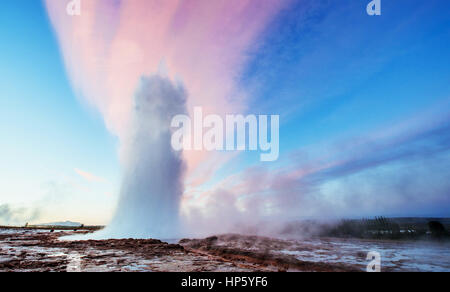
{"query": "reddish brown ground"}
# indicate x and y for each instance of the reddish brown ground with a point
(39, 250)
(29, 250)
(261, 251)
(22, 250)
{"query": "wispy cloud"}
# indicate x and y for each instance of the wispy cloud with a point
(403, 172)
(89, 176)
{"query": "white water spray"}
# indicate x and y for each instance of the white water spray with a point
(152, 183)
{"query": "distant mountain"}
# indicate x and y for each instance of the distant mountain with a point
(65, 224)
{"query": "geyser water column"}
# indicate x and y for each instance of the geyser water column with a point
(152, 185)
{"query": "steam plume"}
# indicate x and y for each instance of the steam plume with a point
(152, 185)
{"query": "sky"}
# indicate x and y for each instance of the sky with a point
(364, 105)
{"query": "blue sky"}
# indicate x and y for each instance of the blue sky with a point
(47, 132)
(336, 76)
(340, 79)
(334, 63)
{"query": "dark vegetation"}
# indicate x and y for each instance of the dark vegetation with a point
(390, 228)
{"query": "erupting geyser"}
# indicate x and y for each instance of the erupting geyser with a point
(152, 184)
(107, 50)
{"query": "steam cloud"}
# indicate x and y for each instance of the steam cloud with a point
(112, 44)
(17, 216)
(397, 176)
(153, 172)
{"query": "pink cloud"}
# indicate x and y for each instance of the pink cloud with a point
(109, 47)
(88, 176)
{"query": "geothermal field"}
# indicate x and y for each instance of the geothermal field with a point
(34, 250)
(225, 136)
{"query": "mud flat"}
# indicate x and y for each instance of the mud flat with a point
(42, 250)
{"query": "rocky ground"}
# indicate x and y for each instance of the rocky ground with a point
(40, 250)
